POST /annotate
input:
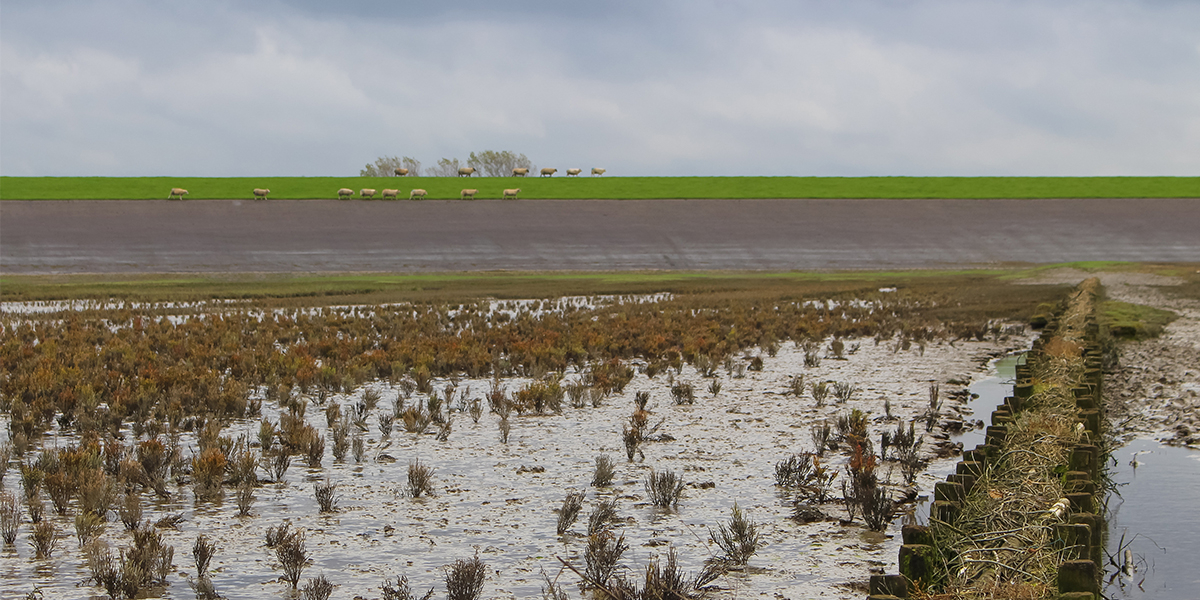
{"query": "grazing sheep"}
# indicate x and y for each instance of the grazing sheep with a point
(393, 194)
(401, 171)
(597, 171)
(574, 172)
(345, 193)
(367, 192)
(520, 171)
(469, 193)
(177, 192)
(261, 192)
(465, 171)
(512, 193)
(417, 193)
(549, 172)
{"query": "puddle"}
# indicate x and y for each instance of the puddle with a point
(1156, 518)
(986, 394)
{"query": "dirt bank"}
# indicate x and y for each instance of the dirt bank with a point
(1155, 389)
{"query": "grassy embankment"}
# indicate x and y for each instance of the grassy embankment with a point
(217, 188)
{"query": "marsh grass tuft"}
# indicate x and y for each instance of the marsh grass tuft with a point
(44, 539)
(843, 392)
(569, 511)
(739, 539)
(87, 527)
(465, 579)
(820, 433)
(820, 391)
(683, 393)
(401, 590)
(603, 516)
(202, 551)
(292, 555)
(420, 479)
(601, 556)
(327, 497)
(602, 476)
(10, 517)
(317, 589)
(664, 488)
(279, 465)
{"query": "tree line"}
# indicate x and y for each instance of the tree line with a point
(488, 163)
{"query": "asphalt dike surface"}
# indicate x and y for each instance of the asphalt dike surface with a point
(283, 236)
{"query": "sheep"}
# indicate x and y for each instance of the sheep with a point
(261, 192)
(393, 194)
(511, 193)
(345, 193)
(367, 192)
(401, 171)
(597, 171)
(177, 192)
(574, 172)
(465, 171)
(549, 172)
(520, 171)
(417, 193)
(469, 193)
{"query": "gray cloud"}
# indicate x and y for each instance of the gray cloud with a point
(809, 88)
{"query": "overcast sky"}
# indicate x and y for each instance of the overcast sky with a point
(690, 87)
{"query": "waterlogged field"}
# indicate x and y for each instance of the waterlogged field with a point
(219, 419)
(304, 188)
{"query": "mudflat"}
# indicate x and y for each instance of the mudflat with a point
(99, 236)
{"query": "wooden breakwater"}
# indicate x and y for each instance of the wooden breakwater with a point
(1020, 516)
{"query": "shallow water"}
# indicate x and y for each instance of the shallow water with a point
(1157, 518)
(492, 499)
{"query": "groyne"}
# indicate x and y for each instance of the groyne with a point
(1020, 516)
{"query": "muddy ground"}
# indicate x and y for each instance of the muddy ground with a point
(285, 236)
(1155, 390)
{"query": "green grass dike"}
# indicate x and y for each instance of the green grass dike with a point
(614, 188)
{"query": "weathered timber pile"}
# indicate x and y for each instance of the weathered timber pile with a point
(1020, 516)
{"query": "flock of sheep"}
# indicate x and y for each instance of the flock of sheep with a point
(467, 193)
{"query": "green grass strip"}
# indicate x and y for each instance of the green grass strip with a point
(303, 188)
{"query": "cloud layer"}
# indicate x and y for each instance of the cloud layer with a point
(674, 88)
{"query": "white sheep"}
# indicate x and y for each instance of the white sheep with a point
(417, 193)
(465, 171)
(177, 192)
(574, 172)
(367, 192)
(261, 192)
(469, 193)
(345, 193)
(511, 193)
(597, 171)
(393, 194)
(520, 171)
(549, 172)
(401, 171)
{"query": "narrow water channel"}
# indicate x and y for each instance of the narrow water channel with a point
(1154, 515)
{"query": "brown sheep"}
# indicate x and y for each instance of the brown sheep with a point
(574, 172)
(401, 171)
(597, 171)
(177, 192)
(520, 171)
(549, 172)
(511, 193)
(417, 193)
(393, 194)
(465, 171)
(469, 193)
(367, 192)
(345, 193)
(261, 192)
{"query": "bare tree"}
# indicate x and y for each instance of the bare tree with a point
(446, 167)
(492, 163)
(385, 166)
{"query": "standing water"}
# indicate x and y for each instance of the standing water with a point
(1153, 522)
